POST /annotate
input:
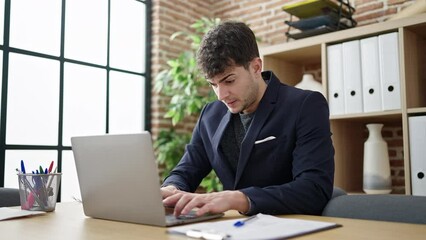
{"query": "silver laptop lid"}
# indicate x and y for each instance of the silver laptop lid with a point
(118, 178)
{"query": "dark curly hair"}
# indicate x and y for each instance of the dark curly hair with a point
(229, 43)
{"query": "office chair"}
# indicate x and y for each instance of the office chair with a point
(382, 207)
(337, 192)
(9, 197)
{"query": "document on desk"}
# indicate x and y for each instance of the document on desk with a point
(9, 213)
(261, 227)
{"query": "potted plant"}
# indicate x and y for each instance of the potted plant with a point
(188, 92)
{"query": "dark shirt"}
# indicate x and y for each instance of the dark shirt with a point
(233, 137)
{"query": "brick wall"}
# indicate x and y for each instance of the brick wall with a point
(393, 136)
(373, 11)
(168, 17)
(267, 21)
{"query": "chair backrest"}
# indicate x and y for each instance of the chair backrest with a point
(337, 192)
(9, 197)
(386, 207)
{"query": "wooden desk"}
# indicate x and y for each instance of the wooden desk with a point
(69, 222)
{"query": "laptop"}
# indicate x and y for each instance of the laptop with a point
(119, 180)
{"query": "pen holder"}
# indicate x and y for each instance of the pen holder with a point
(39, 192)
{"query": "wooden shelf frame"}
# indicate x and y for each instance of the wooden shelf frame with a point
(289, 61)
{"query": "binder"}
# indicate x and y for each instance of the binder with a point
(417, 137)
(370, 73)
(389, 71)
(336, 99)
(352, 82)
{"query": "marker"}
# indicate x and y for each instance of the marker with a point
(51, 167)
(242, 222)
(22, 167)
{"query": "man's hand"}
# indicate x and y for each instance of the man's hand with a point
(168, 191)
(216, 202)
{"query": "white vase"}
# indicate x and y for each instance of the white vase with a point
(377, 178)
(308, 82)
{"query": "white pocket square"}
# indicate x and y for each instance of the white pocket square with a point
(265, 139)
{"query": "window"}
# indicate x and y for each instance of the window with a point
(69, 68)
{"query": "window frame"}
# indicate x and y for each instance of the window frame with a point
(62, 60)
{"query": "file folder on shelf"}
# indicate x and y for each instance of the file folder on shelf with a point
(417, 132)
(311, 8)
(389, 71)
(370, 69)
(310, 32)
(336, 98)
(330, 20)
(352, 77)
(318, 17)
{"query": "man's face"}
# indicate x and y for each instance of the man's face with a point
(238, 88)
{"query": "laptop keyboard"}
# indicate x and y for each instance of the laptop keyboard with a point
(187, 218)
(172, 219)
(190, 215)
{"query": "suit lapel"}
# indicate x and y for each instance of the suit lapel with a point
(263, 111)
(219, 132)
(227, 176)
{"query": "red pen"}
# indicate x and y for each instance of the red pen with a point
(50, 167)
(30, 202)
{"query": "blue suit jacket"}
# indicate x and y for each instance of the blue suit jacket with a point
(292, 173)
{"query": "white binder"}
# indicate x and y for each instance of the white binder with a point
(389, 71)
(417, 133)
(370, 69)
(352, 81)
(335, 79)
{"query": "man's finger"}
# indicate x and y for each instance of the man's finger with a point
(171, 200)
(182, 202)
(196, 201)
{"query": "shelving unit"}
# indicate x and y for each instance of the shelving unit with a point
(288, 61)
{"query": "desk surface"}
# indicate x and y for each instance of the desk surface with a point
(69, 222)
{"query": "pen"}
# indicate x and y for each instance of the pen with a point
(51, 179)
(50, 167)
(242, 222)
(32, 196)
(22, 167)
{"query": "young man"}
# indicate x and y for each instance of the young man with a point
(269, 143)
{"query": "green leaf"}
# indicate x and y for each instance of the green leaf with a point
(170, 113)
(197, 24)
(176, 34)
(175, 119)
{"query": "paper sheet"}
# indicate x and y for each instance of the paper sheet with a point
(263, 227)
(9, 213)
